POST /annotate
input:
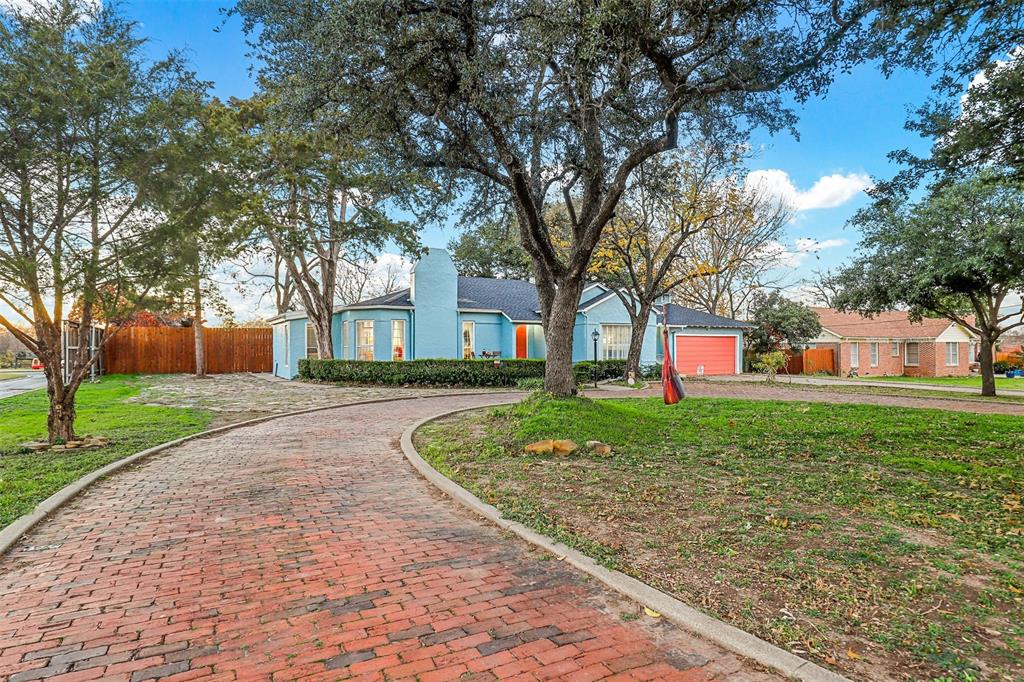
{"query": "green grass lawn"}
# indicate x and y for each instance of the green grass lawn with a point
(28, 478)
(6, 375)
(969, 382)
(881, 541)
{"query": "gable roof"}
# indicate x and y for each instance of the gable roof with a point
(680, 316)
(891, 324)
(516, 298)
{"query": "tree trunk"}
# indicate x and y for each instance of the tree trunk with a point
(197, 328)
(636, 341)
(988, 374)
(559, 378)
(60, 421)
(324, 337)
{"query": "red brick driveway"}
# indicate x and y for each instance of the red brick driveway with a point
(306, 548)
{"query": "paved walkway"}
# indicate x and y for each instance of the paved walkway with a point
(307, 548)
(236, 397)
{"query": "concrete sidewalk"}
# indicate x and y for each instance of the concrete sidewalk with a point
(836, 381)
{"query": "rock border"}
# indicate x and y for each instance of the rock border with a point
(727, 636)
(13, 532)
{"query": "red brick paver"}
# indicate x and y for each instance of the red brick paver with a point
(306, 548)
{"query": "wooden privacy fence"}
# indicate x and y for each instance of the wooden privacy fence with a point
(819, 360)
(171, 350)
(794, 363)
(811, 361)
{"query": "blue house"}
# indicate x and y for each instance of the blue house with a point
(443, 315)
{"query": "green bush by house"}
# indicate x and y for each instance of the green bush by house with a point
(441, 372)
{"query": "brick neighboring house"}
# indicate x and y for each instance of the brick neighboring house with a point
(890, 344)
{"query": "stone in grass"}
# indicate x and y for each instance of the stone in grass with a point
(540, 447)
(36, 446)
(564, 447)
(599, 448)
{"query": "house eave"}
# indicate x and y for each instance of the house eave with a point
(374, 307)
(288, 317)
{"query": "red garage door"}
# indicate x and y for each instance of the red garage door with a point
(716, 353)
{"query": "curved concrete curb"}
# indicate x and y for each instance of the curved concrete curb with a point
(687, 617)
(13, 532)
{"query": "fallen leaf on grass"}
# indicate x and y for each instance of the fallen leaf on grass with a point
(852, 655)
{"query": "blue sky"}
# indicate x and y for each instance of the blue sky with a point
(843, 137)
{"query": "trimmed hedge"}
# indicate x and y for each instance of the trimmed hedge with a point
(421, 372)
(441, 372)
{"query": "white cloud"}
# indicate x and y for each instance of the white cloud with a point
(28, 6)
(828, 192)
(786, 256)
(809, 245)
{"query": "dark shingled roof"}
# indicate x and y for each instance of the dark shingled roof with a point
(688, 317)
(518, 300)
(515, 297)
(395, 298)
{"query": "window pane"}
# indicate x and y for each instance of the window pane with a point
(895, 349)
(364, 340)
(311, 349)
(398, 339)
(614, 341)
(874, 355)
(344, 340)
(468, 340)
(913, 354)
(952, 353)
(854, 355)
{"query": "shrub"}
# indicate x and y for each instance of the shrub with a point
(421, 372)
(589, 370)
(1002, 366)
(443, 372)
(651, 371)
(770, 363)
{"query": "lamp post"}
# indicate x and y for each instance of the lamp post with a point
(595, 335)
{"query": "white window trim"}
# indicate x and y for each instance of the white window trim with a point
(373, 338)
(472, 339)
(404, 345)
(894, 349)
(906, 354)
(345, 343)
(854, 354)
(955, 347)
(287, 343)
(874, 350)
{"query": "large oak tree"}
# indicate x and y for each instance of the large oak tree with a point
(517, 104)
(957, 254)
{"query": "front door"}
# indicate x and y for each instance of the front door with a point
(521, 343)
